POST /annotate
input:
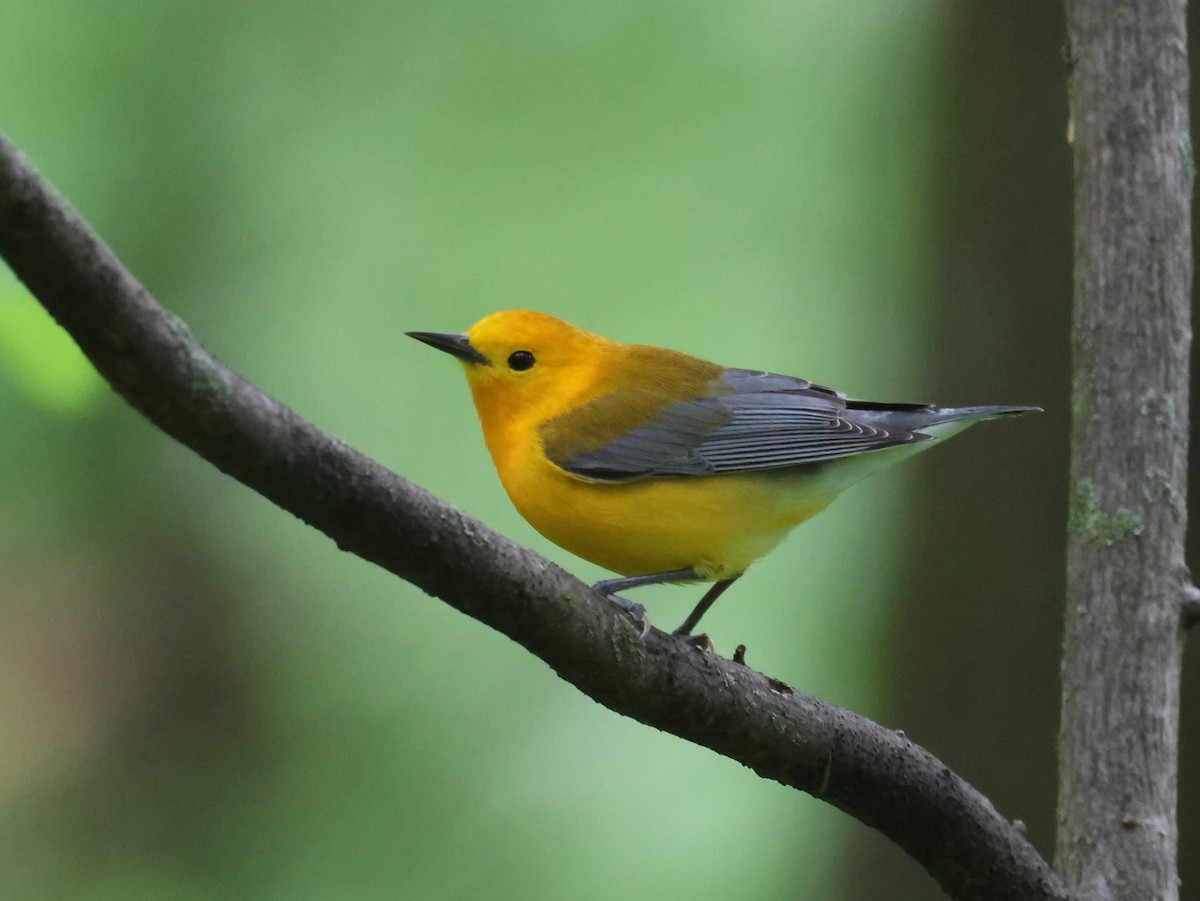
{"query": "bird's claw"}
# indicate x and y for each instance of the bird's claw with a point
(636, 612)
(701, 642)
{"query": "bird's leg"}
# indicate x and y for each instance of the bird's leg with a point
(707, 601)
(610, 587)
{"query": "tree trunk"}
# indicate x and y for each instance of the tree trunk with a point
(1126, 577)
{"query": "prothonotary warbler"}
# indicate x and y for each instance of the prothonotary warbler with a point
(664, 467)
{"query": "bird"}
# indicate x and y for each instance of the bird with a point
(664, 467)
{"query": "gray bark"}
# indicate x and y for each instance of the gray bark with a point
(1127, 584)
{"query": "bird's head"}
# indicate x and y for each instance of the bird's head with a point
(521, 363)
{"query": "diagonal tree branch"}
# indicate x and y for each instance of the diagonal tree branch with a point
(151, 358)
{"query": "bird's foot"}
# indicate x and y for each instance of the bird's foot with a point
(701, 642)
(636, 612)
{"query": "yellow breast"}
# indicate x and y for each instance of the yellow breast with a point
(717, 525)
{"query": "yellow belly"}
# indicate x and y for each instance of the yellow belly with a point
(717, 525)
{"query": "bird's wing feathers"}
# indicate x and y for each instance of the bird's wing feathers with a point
(747, 421)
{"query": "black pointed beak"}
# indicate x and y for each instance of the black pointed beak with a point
(455, 345)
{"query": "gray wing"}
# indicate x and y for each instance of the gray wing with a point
(751, 421)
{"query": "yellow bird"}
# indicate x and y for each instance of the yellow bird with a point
(664, 467)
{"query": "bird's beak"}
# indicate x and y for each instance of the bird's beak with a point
(455, 345)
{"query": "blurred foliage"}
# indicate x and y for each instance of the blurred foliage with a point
(40, 359)
(200, 698)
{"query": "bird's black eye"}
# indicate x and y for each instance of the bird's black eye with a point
(520, 360)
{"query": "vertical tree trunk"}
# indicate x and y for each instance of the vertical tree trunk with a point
(1126, 577)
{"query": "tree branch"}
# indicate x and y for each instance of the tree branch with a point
(1127, 583)
(150, 357)
(1191, 605)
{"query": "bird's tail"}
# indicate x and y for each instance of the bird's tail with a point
(940, 422)
(924, 424)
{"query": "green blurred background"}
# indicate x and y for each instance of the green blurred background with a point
(200, 698)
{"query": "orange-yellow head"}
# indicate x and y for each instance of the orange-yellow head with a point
(528, 369)
(524, 366)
